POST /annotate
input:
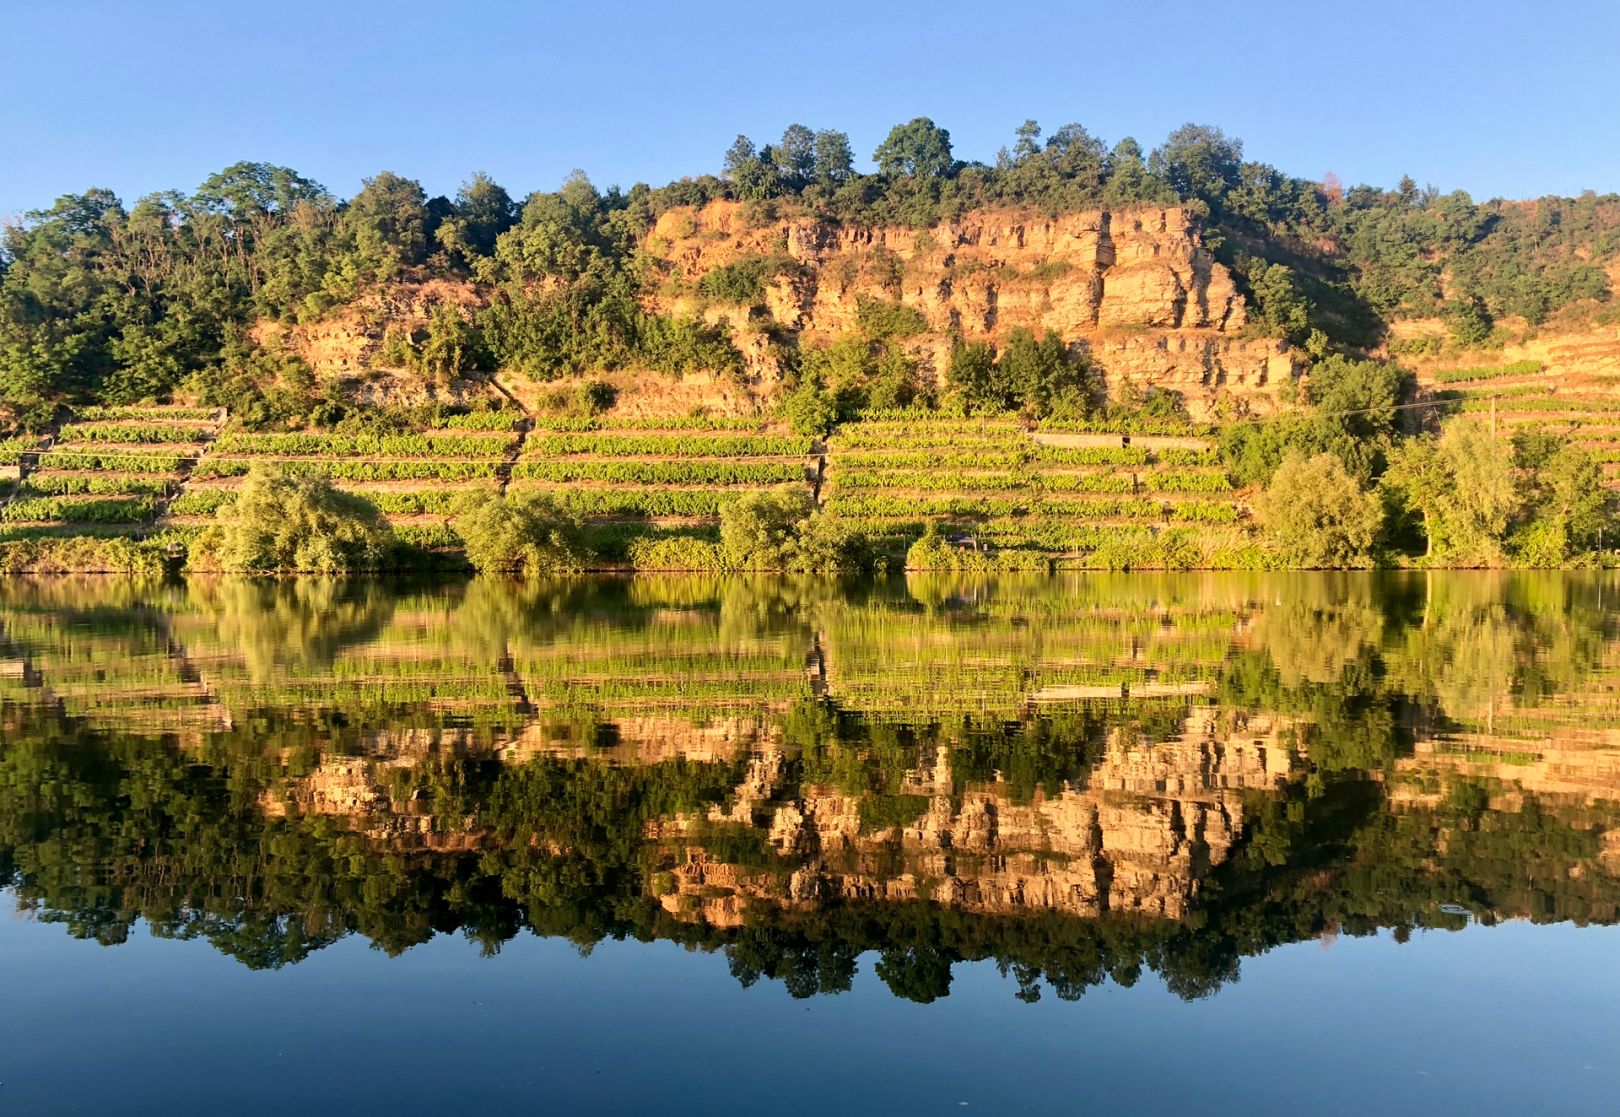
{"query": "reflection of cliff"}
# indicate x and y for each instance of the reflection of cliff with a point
(1137, 836)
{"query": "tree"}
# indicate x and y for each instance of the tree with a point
(795, 156)
(1567, 502)
(919, 148)
(1028, 144)
(1317, 514)
(283, 521)
(1200, 161)
(519, 533)
(753, 175)
(811, 409)
(387, 224)
(451, 347)
(483, 211)
(1465, 488)
(1468, 320)
(758, 531)
(834, 159)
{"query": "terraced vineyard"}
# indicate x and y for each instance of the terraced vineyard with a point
(629, 478)
(1527, 394)
(414, 478)
(108, 471)
(1047, 494)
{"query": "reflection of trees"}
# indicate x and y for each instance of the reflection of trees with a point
(97, 831)
(1486, 638)
(292, 622)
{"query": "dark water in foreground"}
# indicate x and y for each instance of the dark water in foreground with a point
(1148, 844)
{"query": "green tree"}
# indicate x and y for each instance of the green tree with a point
(282, 521)
(1200, 161)
(1317, 514)
(834, 158)
(919, 148)
(387, 226)
(1464, 486)
(795, 157)
(758, 531)
(520, 533)
(483, 211)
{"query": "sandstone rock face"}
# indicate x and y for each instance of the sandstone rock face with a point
(1136, 287)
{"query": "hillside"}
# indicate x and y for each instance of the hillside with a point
(942, 344)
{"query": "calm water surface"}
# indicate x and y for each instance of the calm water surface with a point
(1137, 843)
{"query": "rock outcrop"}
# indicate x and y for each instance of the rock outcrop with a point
(1136, 287)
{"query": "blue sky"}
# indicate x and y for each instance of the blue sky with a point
(1496, 97)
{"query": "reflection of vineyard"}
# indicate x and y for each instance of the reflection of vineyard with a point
(797, 773)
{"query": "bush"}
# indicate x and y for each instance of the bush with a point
(1318, 515)
(934, 552)
(521, 533)
(759, 531)
(683, 553)
(288, 522)
(80, 554)
(811, 410)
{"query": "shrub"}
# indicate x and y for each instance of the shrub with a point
(80, 554)
(521, 533)
(681, 552)
(759, 531)
(289, 522)
(1318, 515)
(811, 410)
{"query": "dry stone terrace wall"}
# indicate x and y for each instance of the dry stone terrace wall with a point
(1136, 286)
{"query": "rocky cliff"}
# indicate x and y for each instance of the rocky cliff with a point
(1136, 287)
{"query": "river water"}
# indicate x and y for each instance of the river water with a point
(1099, 844)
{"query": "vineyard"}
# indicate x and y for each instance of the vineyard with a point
(1077, 493)
(660, 478)
(1525, 395)
(413, 478)
(107, 471)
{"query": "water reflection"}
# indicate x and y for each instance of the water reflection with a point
(1082, 780)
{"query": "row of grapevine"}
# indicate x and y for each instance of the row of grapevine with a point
(107, 470)
(992, 483)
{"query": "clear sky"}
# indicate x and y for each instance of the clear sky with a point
(1494, 96)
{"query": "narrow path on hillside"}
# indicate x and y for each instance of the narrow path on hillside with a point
(187, 463)
(503, 471)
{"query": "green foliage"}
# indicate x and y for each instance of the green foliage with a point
(1488, 372)
(810, 409)
(99, 510)
(1463, 487)
(920, 148)
(743, 281)
(281, 522)
(882, 320)
(682, 553)
(1041, 377)
(520, 533)
(758, 531)
(689, 472)
(80, 554)
(667, 445)
(1318, 516)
